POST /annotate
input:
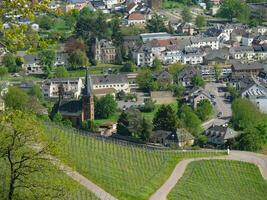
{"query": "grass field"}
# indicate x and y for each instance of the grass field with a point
(220, 179)
(71, 189)
(126, 171)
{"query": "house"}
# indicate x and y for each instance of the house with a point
(163, 77)
(184, 138)
(211, 42)
(253, 68)
(110, 3)
(75, 4)
(216, 57)
(197, 96)
(61, 59)
(79, 110)
(237, 34)
(257, 94)
(192, 56)
(72, 87)
(172, 54)
(143, 55)
(219, 33)
(162, 97)
(247, 39)
(2, 105)
(136, 19)
(131, 7)
(185, 76)
(31, 64)
(186, 28)
(158, 36)
(104, 51)
(130, 42)
(97, 5)
(242, 52)
(260, 52)
(117, 82)
(220, 135)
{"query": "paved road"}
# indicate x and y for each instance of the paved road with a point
(258, 159)
(221, 105)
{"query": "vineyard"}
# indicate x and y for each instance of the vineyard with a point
(126, 171)
(220, 179)
(72, 190)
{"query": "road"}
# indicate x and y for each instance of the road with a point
(221, 105)
(258, 159)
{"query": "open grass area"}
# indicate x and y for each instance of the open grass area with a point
(220, 179)
(169, 4)
(72, 190)
(126, 171)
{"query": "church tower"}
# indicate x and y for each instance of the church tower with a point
(88, 112)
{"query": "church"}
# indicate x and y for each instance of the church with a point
(77, 111)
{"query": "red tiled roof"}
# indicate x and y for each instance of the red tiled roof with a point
(136, 16)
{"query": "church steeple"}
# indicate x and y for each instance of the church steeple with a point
(87, 91)
(88, 99)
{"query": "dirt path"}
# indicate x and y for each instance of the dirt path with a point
(258, 159)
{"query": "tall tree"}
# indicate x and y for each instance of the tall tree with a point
(204, 109)
(47, 57)
(186, 14)
(156, 24)
(147, 128)
(105, 107)
(16, 98)
(165, 119)
(145, 80)
(9, 61)
(197, 80)
(78, 59)
(200, 21)
(157, 66)
(61, 72)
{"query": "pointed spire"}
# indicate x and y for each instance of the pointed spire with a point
(87, 84)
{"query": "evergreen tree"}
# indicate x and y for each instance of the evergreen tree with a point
(165, 119)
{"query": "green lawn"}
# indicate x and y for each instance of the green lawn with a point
(72, 190)
(169, 4)
(220, 180)
(126, 171)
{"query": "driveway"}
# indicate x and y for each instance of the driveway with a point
(257, 159)
(221, 105)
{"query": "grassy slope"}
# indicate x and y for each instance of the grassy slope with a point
(220, 179)
(72, 190)
(127, 172)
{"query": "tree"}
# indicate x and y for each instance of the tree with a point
(233, 92)
(73, 44)
(118, 57)
(128, 67)
(89, 125)
(156, 24)
(149, 106)
(9, 61)
(147, 128)
(45, 22)
(200, 21)
(145, 80)
(165, 119)
(231, 9)
(47, 57)
(204, 109)
(186, 14)
(123, 124)
(218, 71)
(197, 80)
(19, 36)
(105, 107)
(178, 90)
(190, 120)
(157, 66)
(61, 72)
(174, 69)
(36, 91)
(78, 59)
(16, 98)
(3, 72)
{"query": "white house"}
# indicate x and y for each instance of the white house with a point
(242, 52)
(136, 19)
(31, 64)
(72, 87)
(211, 42)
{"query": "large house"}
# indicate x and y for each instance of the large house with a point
(136, 18)
(239, 68)
(31, 64)
(104, 51)
(72, 87)
(242, 52)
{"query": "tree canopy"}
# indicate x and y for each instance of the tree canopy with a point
(204, 109)
(186, 14)
(156, 24)
(78, 59)
(165, 119)
(105, 107)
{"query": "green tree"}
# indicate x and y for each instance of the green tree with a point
(45, 22)
(36, 92)
(233, 92)
(186, 14)
(9, 61)
(200, 21)
(149, 106)
(156, 24)
(147, 129)
(128, 67)
(78, 59)
(231, 9)
(204, 109)
(47, 57)
(190, 120)
(218, 71)
(165, 119)
(3, 72)
(19, 61)
(16, 98)
(61, 72)
(174, 69)
(197, 80)
(89, 125)
(57, 118)
(145, 80)
(123, 124)
(178, 90)
(157, 66)
(105, 107)
(23, 151)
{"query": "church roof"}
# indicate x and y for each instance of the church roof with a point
(70, 107)
(87, 91)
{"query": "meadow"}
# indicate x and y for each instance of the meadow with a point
(220, 179)
(126, 171)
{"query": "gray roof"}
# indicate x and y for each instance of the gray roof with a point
(203, 39)
(242, 49)
(30, 59)
(109, 79)
(187, 73)
(247, 66)
(87, 91)
(221, 132)
(217, 54)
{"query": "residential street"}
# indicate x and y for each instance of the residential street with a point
(221, 105)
